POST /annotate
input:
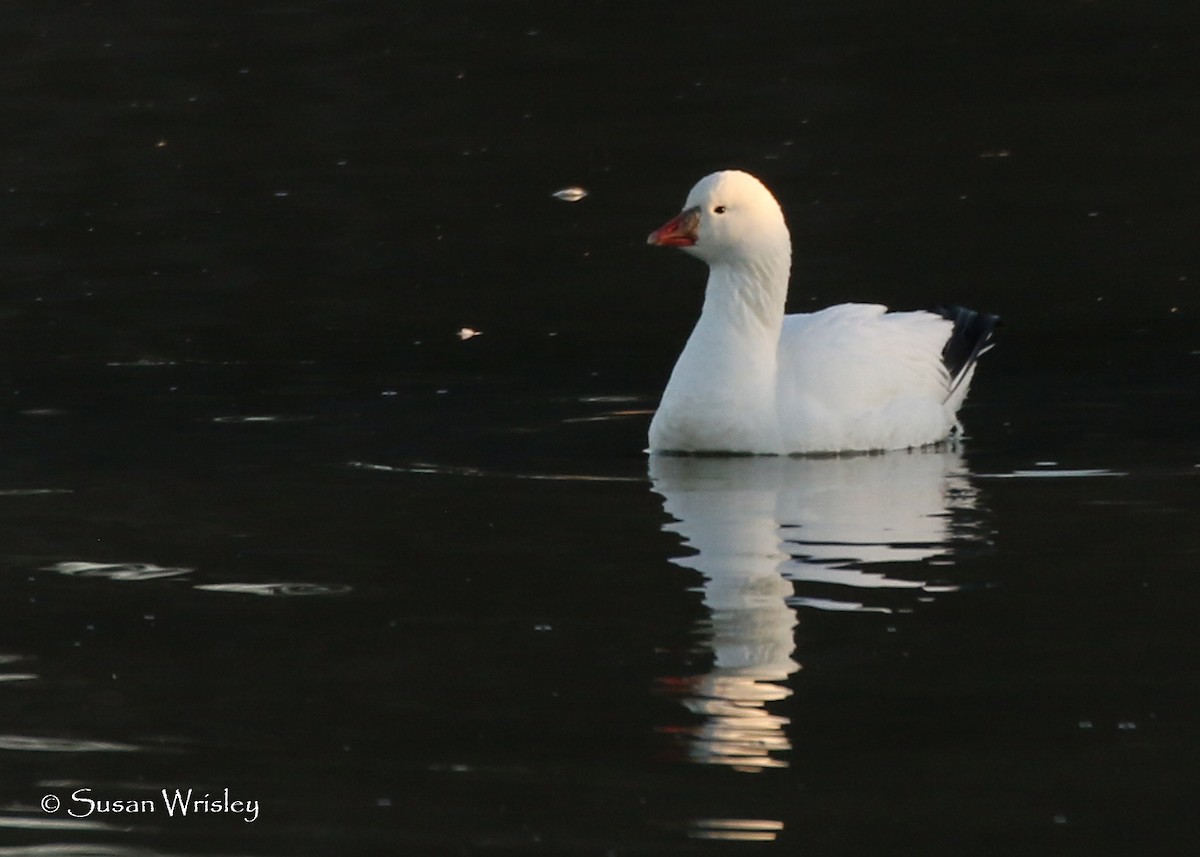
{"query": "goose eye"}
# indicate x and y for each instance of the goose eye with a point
(720, 209)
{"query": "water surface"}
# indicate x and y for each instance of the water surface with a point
(275, 530)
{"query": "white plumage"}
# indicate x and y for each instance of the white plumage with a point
(852, 377)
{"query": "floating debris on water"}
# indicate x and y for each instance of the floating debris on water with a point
(570, 194)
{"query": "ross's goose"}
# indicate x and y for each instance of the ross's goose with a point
(853, 377)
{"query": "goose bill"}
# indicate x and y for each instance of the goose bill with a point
(679, 231)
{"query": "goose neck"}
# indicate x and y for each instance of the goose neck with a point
(748, 293)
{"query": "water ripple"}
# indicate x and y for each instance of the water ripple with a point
(32, 492)
(736, 829)
(249, 419)
(421, 467)
(139, 571)
(43, 744)
(1046, 473)
(141, 364)
(117, 570)
(278, 589)
(36, 819)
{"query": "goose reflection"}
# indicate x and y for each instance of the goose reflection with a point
(771, 535)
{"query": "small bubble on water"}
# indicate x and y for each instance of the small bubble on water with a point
(1127, 726)
(1086, 724)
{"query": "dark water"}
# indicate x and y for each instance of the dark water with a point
(269, 526)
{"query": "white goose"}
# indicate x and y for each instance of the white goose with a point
(852, 377)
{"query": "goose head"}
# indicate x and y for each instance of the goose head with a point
(730, 218)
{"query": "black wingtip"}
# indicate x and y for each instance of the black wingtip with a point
(971, 337)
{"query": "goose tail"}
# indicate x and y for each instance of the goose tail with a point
(969, 340)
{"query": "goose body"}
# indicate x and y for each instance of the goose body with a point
(853, 377)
